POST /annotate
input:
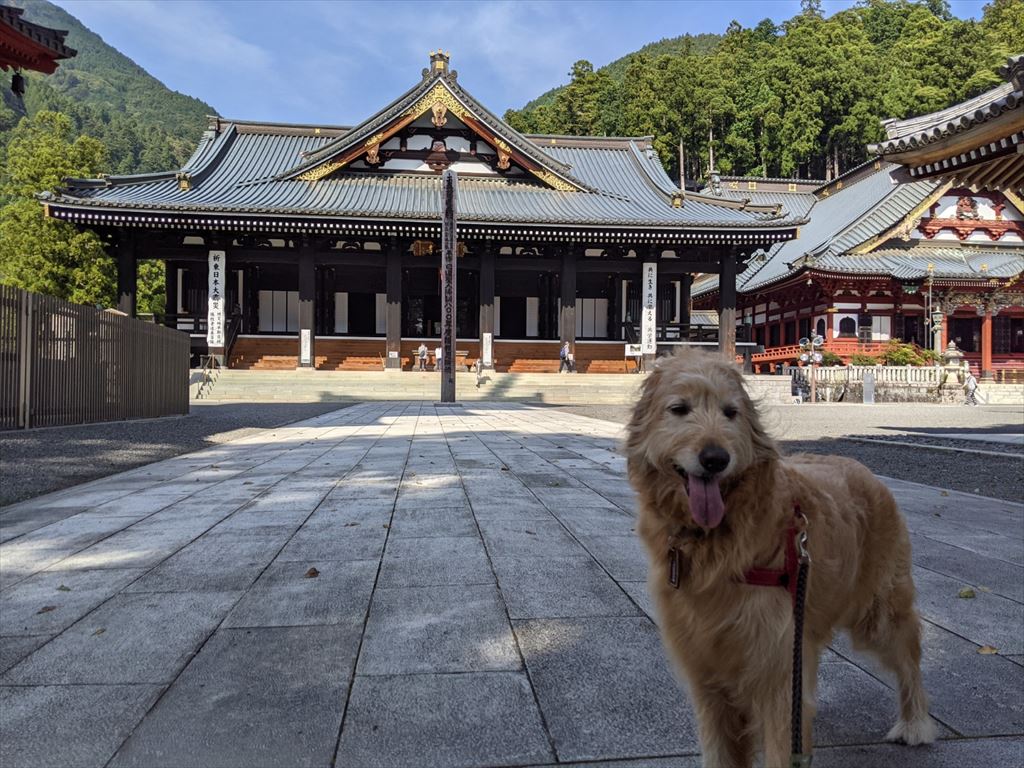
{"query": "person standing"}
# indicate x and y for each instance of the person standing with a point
(437, 359)
(564, 361)
(970, 388)
(421, 352)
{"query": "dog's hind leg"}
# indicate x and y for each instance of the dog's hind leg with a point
(726, 741)
(895, 638)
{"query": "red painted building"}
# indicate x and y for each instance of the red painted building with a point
(924, 244)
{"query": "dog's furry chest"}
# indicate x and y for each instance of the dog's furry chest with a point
(734, 628)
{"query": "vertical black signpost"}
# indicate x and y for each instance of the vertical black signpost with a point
(449, 238)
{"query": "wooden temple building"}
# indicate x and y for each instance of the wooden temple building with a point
(321, 244)
(24, 45)
(924, 243)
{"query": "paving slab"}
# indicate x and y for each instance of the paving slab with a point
(987, 619)
(215, 562)
(444, 721)
(529, 538)
(13, 648)
(573, 664)
(140, 638)
(559, 587)
(51, 601)
(303, 593)
(253, 697)
(958, 753)
(437, 629)
(482, 565)
(68, 726)
(428, 521)
(437, 561)
(966, 689)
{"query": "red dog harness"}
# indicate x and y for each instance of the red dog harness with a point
(785, 576)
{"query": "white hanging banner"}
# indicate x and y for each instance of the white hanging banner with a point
(648, 318)
(215, 301)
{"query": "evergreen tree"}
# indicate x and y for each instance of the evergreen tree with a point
(42, 254)
(804, 98)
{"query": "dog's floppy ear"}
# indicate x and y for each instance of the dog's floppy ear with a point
(637, 427)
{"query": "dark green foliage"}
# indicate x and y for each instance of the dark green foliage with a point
(801, 99)
(684, 45)
(98, 113)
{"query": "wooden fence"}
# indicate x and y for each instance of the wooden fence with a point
(61, 363)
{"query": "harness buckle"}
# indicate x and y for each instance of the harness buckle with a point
(801, 539)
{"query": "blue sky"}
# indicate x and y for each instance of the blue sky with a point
(331, 62)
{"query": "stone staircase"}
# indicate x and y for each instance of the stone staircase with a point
(560, 389)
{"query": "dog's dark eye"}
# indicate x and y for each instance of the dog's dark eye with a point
(680, 409)
(730, 411)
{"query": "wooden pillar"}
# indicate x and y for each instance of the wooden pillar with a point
(986, 345)
(127, 273)
(393, 313)
(830, 324)
(487, 263)
(727, 306)
(170, 293)
(307, 306)
(567, 312)
(685, 289)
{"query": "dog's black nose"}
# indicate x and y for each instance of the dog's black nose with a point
(713, 458)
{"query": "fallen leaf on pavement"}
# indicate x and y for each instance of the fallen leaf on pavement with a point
(944, 493)
(987, 650)
(99, 631)
(349, 525)
(312, 573)
(63, 588)
(966, 592)
(46, 609)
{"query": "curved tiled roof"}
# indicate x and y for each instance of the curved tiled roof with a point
(916, 132)
(950, 262)
(237, 170)
(872, 204)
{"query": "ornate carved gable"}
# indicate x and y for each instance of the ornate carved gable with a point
(963, 212)
(434, 130)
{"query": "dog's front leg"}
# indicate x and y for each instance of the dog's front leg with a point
(777, 723)
(725, 736)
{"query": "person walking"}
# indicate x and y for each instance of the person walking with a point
(437, 359)
(421, 352)
(970, 388)
(565, 359)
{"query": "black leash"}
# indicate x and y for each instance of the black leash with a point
(797, 757)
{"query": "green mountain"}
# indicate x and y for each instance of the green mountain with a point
(144, 125)
(802, 98)
(670, 46)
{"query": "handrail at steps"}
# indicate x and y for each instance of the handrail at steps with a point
(210, 374)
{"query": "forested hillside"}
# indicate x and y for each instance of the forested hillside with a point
(799, 99)
(144, 125)
(670, 46)
(98, 113)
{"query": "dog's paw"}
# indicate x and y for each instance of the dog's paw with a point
(918, 731)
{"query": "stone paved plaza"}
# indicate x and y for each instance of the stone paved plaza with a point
(400, 584)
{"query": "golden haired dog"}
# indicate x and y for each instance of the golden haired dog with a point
(713, 486)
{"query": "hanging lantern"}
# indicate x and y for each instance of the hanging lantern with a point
(18, 84)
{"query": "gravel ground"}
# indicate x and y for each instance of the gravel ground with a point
(822, 429)
(39, 461)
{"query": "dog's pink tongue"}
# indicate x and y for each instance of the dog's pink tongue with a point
(706, 503)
